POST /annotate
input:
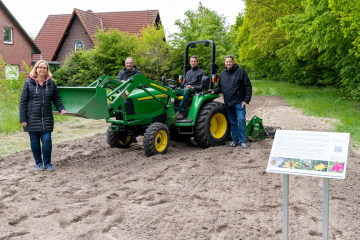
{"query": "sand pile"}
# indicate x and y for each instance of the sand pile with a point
(189, 193)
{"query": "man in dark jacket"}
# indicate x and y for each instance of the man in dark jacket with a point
(190, 85)
(128, 71)
(236, 87)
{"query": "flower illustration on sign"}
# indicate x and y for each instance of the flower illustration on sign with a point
(290, 164)
(320, 167)
(337, 167)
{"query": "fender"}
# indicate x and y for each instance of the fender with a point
(198, 101)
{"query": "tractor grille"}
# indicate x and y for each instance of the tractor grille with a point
(129, 108)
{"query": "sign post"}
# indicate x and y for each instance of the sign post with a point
(325, 227)
(285, 206)
(316, 154)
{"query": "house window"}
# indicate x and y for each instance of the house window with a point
(79, 45)
(8, 38)
(11, 72)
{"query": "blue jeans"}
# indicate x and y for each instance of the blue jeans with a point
(237, 120)
(45, 138)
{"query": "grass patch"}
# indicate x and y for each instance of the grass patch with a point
(72, 128)
(314, 101)
(10, 118)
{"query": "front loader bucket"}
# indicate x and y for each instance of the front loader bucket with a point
(86, 102)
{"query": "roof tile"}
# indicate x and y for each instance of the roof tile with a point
(53, 29)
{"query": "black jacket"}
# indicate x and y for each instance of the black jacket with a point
(36, 107)
(193, 77)
(125, 74)
(235, 85)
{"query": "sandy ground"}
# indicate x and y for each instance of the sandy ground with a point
(190, 193)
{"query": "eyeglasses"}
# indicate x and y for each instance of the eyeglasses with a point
(42, 68)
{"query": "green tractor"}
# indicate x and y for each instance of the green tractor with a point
(142, 107)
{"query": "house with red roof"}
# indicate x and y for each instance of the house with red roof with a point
(16, 45)
(62, 34)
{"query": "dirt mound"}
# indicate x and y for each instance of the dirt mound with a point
(189, 193)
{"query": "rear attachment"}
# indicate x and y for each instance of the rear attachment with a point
(255, 130)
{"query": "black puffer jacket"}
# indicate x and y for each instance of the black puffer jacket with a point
(125, 74)
(193, 77)
(36, 107)
(235, 85)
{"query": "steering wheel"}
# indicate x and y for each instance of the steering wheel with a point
(177, 84)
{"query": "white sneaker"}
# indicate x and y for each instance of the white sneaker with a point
(243, 145)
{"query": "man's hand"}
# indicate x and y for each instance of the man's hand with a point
(24, 124)
(63, 112)
(243, 104)
(189, 86)
(211, 91)
(122, 81)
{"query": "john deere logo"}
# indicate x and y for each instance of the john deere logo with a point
(150, 97)
(155, 85)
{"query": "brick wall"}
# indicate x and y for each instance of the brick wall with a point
(77, 33)
(19, 50)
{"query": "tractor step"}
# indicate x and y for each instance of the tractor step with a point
(184, 121)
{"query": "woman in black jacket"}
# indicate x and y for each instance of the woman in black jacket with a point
(36, 112)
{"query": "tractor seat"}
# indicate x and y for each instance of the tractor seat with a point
(179, 98)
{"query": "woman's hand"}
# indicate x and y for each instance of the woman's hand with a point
(24, 124)
(63, 112)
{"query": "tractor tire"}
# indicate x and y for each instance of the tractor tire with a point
(177, 137)
(113, 139)
(156, 139)
(212, 126)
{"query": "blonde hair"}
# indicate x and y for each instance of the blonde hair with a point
(34, 73)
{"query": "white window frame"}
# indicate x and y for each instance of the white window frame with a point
(12, 68)
(11, 35)
(83, 45)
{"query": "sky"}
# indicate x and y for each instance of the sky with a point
(32, 14)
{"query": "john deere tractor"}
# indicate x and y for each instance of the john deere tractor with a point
(142, 107)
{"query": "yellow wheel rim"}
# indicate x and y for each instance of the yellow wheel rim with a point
(218, 125)
(161, 141)
(128, 138)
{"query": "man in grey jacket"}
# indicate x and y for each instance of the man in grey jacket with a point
(128, 71)
(234, 83)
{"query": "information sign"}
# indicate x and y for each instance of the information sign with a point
(318, 154)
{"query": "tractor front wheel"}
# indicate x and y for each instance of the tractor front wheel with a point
(113, 139)
(156, 139)
(212, 127)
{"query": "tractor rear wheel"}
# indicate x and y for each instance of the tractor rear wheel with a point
(212, 127)
(156, 139)
(113, 139)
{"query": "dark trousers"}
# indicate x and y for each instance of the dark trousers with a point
(186, 93)
(45, 138)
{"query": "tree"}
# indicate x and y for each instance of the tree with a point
(202, 24)
(259, 37)
(112, 48)
(152, 54)
(80, 69)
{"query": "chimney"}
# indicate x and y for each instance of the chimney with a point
(89, 11)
